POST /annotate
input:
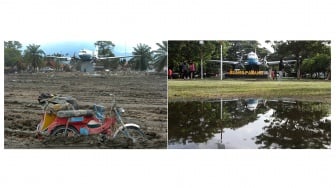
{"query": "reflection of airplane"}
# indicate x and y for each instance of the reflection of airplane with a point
(88, 55)
(252, 104)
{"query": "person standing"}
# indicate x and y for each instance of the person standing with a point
(192, 69)
(181, 70)
(281, 68)
(170, 73)
(184, 71)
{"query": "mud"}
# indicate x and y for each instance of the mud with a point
(142, 95)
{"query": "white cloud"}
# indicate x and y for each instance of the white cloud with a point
(267, 46)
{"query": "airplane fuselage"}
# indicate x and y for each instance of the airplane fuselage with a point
(85, 55)
(252, 59)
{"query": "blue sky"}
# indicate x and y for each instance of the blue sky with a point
(71, 47)
(121, 48)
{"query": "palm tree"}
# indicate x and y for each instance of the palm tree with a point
(142, 56)
(33, 55)
(160, 56)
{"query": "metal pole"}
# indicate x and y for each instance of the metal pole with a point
(221, 115)
(221, 62)
(202, 68)
(201, 43)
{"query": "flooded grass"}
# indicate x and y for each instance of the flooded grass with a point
(300, 90)
(249, 124)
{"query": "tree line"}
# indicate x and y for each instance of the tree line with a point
(33, 58)
(312, 57)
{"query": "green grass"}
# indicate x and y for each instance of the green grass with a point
(268, 89)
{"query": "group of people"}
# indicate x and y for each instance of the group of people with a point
(276, 74)
(187, 70)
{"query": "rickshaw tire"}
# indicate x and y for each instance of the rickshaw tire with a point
(135, 132)
(62, 127)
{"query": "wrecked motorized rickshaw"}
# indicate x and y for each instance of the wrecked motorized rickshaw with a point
(62, 117)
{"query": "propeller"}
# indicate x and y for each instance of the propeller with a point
(241, 55)
(264, 61)
(241, 62)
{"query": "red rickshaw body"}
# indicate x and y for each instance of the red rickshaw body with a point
(87, 124)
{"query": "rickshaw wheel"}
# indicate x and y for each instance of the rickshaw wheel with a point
(63, 131)
(135, 134)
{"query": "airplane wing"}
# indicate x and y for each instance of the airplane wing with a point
(116, 57)
(284, 61)
(226, 62)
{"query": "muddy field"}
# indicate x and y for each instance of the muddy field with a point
(142, 95)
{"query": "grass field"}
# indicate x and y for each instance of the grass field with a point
(312, 90)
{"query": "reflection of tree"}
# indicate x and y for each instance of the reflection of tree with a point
(297, 125)
(199, 121)
(189, 121)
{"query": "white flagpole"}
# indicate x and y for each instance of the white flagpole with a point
(221, 62)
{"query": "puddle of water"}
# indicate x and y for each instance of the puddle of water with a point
(249, 123)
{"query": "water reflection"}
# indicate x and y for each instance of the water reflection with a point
(249, 123)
